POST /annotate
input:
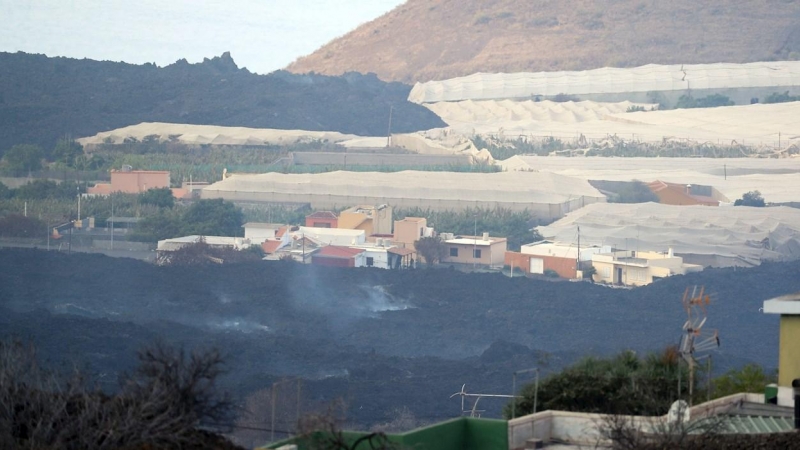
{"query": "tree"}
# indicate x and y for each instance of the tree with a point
(161, 197)
(41, 189)
(213, 218)
(23, 158)
(623, 384)
(67, 151)
(5, 192)
(17, 225)
(634, 192)
(750, 378)
(165, 224)
(160, 405)
(432, 249)
(752, 198)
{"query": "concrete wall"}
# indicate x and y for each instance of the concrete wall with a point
(520, 262)
(789, 353)
(582, 428)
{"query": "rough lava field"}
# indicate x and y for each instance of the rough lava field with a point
(378, 339)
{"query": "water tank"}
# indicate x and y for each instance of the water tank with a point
(485, 236)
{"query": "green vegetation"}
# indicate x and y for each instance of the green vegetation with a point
(623, 384)
(22, 159)
(710, 101)
(431, 249)
(635, 108)
(611, 146)
(516, 226)
(161, 404)
(204, 217)
(750, 378)
(161, 198)
(632, 385)
(781, 98)
(634, 192)
(752, 198)
(19, 226)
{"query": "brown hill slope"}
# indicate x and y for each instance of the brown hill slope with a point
(423, 40)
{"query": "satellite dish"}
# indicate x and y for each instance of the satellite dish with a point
(678, 412)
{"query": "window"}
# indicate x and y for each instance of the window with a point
(453, 251)
(476, 253)
(322, 224)
(370, 261)
(606, 272)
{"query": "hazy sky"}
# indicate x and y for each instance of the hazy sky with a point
(262, 35)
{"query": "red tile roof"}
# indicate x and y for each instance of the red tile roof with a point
(270, 247)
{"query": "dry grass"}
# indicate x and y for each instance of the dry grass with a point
(434, 39)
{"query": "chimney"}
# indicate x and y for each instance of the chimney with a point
(485, 236)
(796, 389)
(670, 253)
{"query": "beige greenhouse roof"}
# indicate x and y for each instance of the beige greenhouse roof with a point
(521, 187)
(747, 234)
(778, 180)
(759, 124)
(652, 77)
(211, 134)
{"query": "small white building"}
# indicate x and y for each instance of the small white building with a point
(333, 236)
(259, 232)
(634, 268)
(170, 245)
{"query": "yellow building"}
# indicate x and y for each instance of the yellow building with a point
(788, 306)
(371, 219)
(476, 250)
(410, 230)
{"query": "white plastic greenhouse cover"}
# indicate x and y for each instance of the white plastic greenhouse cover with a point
(500, 187)
(746, 235)
(608, 80)
(778, 180)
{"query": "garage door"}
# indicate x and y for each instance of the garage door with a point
(537, 265)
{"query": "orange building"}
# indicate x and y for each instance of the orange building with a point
(685, 194)
(322, 219)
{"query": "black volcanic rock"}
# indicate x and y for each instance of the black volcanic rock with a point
(43, 99)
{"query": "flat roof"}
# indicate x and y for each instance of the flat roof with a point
(785, 304)
(474, 240)
(262, 225)
(330, 231)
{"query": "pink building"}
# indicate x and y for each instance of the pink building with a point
(132, 182)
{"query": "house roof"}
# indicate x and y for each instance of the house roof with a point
(658, 186)
(270, 246)
(474, 240)
(322, 215)
(336, 252)
(401, 251)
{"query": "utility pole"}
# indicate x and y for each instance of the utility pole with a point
(389, 133)
(474, 239)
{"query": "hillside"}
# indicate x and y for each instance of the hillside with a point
(42, 99)
(423, 40)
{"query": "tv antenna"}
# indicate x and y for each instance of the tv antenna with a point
(696, 341)
(475, 412)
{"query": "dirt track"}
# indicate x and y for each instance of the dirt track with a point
(380, 339)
